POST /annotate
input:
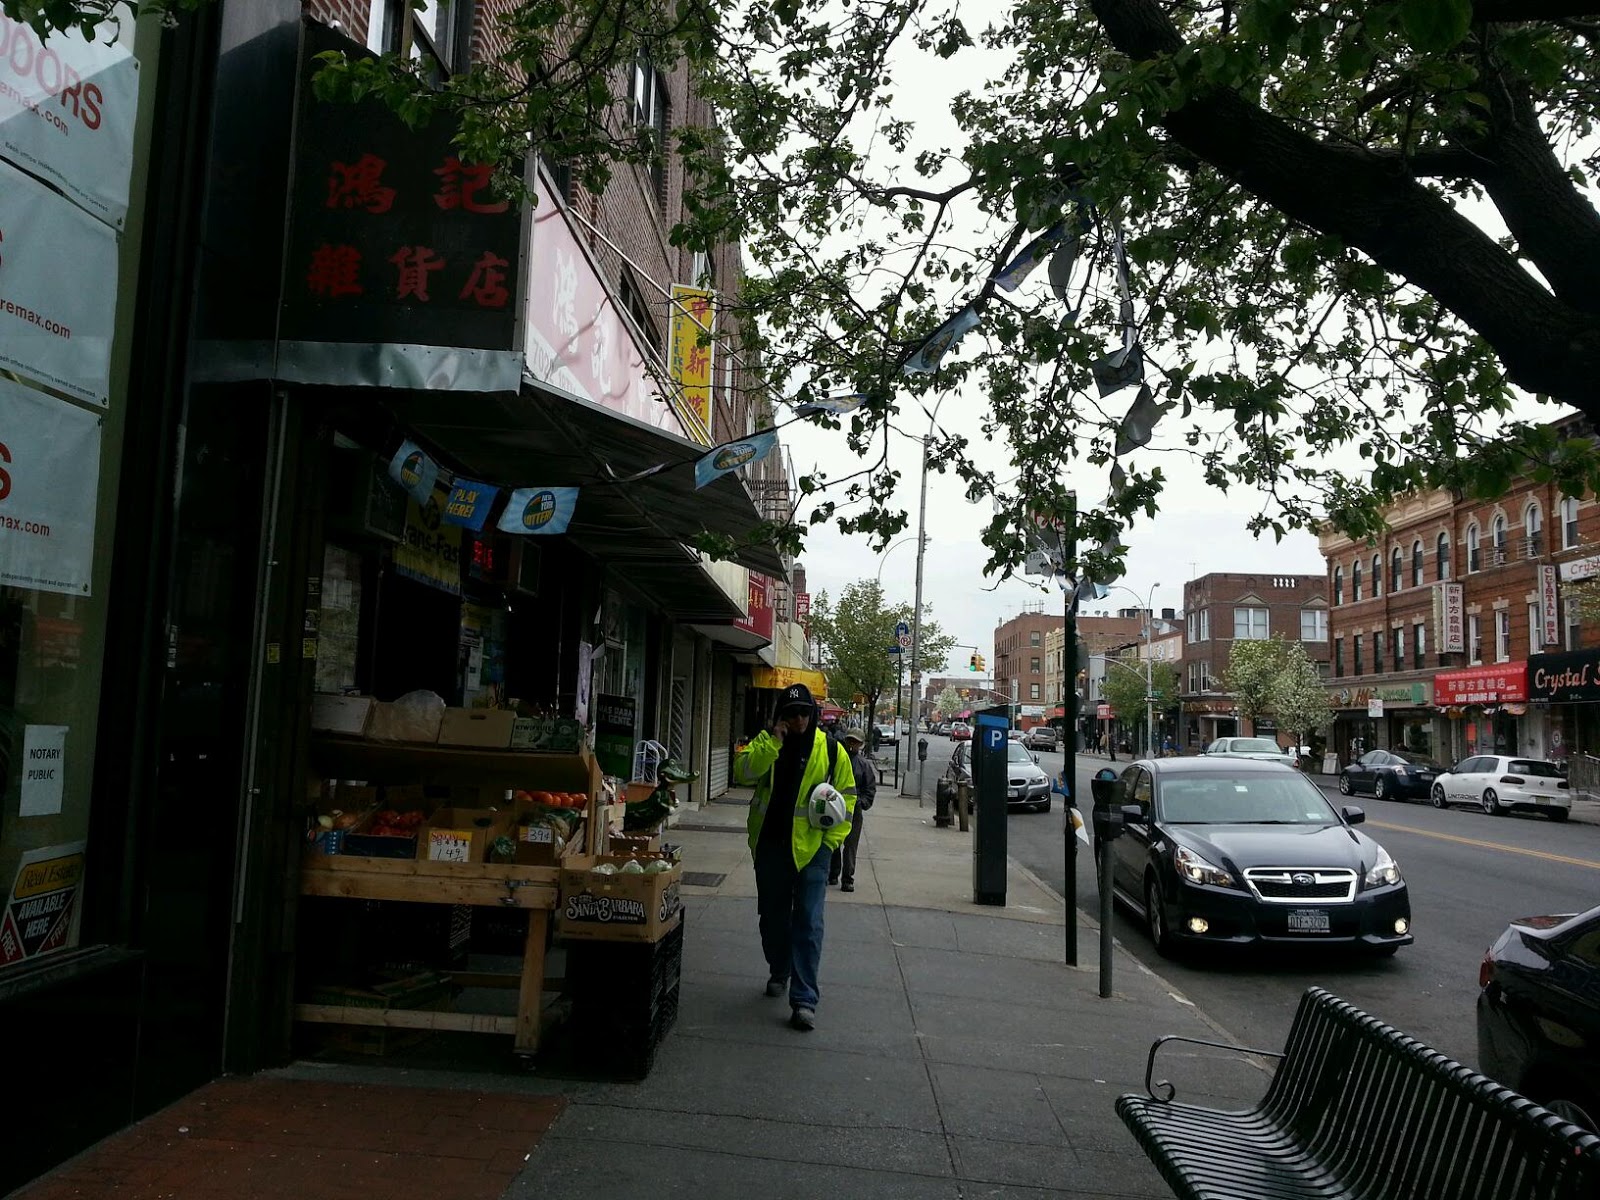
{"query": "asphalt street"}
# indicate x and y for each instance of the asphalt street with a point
(1469, 874)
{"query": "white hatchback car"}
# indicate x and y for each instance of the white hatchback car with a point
(1498, 783)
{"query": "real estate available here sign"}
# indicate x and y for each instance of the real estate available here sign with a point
(58, 289)
(67, 110)
(49, 477)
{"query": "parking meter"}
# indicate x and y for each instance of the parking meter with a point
(990, 772)
(922, 749)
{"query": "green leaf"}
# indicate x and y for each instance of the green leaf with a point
(1436, 25)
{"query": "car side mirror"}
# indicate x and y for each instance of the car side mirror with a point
(1353, 814)
(1132, 814)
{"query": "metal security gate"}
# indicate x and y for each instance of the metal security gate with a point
(719, 760)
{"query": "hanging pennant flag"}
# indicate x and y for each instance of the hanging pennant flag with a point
(723, 459)
(834, 405)
(1125, 311)
(469, 504)
(1118, 370)
(1139, 425)
(1061, 264)
(925, 361)
(537, 510)
(1030, 256)
(413, 470)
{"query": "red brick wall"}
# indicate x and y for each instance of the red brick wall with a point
(1284, 597)
(349, 15)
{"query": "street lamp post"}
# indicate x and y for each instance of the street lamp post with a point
(1149, 630)
(916, 608)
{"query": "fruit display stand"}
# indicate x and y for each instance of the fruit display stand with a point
(480, 884)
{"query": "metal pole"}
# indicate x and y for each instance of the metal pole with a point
(1107, 869)
(899, 686)
(1069, 760)
(916, 606)
(1149, 699)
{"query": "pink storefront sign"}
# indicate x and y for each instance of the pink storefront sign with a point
(577, 340)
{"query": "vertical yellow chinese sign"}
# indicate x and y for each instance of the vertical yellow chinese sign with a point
(689, 353)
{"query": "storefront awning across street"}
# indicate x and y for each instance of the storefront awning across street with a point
(777, 678)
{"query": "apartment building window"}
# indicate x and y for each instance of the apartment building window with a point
(1377, 652)
(1355, 583)
(1396, 564)
(1569, 522)
(1532, 531)
(1416, 563)
(1398, 637)
(1249, 624)
(1498, 535)
(1419, 644)
(648, 95)
(1338, 658)
(638, 312)
(1502, 635)
(1338, 585)
(1313, 624)
(1474, 640)
(1535, 641)
(1033, 691)
(1377, 576)
(1033, 664)
(1573, 626)
(1355, 655)
(1441, 558)
(1474, 559)
(437, 33)
(1034, 640)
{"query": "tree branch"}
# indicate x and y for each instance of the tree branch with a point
(1511, 11)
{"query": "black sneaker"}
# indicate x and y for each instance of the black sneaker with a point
(847, 886)
(804, 1018)
(777, 987)
(833, 881)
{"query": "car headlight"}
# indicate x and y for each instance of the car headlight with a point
(1384, 871)
(1197, 870)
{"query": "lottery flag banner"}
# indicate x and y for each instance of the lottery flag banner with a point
(539, 511)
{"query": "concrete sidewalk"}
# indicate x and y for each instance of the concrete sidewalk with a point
(955, 1057)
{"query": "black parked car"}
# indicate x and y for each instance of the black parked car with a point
(1539, 1013)
(1237, 851)
(1390, 775)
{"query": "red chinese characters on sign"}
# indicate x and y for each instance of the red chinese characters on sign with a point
(360, 185)
(759, 620)
(460, 184)
(334, 271)
(414, 263)
(802, 607)
(1501, 683)
(487, 285)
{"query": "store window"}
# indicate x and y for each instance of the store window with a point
(1419, 644)
(339, 623)
(1033, 691)
(1574, 627)
(1338, 658)
(1441, 558)
(1249, 624)
(1532, 531)
(1338, 586)
(1416, 563)
(1313, 624)
(1397, 637)
(1474, 559)
(1355, 583)
(1502, 635)
(1569, 522)
(1396, 565)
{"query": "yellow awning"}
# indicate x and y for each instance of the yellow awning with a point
(781, 677)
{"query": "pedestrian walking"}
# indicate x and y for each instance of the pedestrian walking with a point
(1167, 748)
(960, 769)
(804, 797)
(842, 870)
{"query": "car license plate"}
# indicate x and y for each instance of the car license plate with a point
(1309, 920)
(1426, 778)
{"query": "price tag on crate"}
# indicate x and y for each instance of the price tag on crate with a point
(538, 833)
(450, 845)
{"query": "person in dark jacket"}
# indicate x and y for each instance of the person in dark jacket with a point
(842, 870)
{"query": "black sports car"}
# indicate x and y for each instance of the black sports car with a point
(1240, 852)
(1539, 1013)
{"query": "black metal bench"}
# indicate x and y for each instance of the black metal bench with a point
(1359, 1110)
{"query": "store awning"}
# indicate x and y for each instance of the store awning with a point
(777, 678)
(545, 437)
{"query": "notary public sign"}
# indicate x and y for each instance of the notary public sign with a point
(67, 112)
(58, 289)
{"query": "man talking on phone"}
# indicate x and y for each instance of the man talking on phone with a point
(804, 797)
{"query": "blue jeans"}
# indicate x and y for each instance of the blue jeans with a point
(790, 905)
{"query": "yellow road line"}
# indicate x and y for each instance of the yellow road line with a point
(1466, 841)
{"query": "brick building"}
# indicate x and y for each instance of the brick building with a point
(1443, 632)
(1222, 608)
(1019, 655)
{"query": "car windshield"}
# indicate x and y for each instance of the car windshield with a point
(1016, 752)
(1273, 799)
(1528, 766)
(1254, 746)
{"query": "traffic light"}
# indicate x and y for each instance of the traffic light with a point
(980, 663)
(972, 663)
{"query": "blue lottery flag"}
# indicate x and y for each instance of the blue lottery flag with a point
(413, 470)
(720, 460)
(539, 510)
(833, 405)
(926, 360)
(469, 504)
(1029, 257)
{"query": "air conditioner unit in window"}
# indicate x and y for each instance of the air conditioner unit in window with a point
(1497, 556)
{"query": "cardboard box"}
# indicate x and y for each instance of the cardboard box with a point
(461, 834)
(634, 843)
(389, 723)
(349, 715)
(489, 728)
(619, 908)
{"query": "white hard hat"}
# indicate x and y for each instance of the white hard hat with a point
(826, 807)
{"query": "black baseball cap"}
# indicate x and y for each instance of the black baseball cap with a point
(796, 698)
